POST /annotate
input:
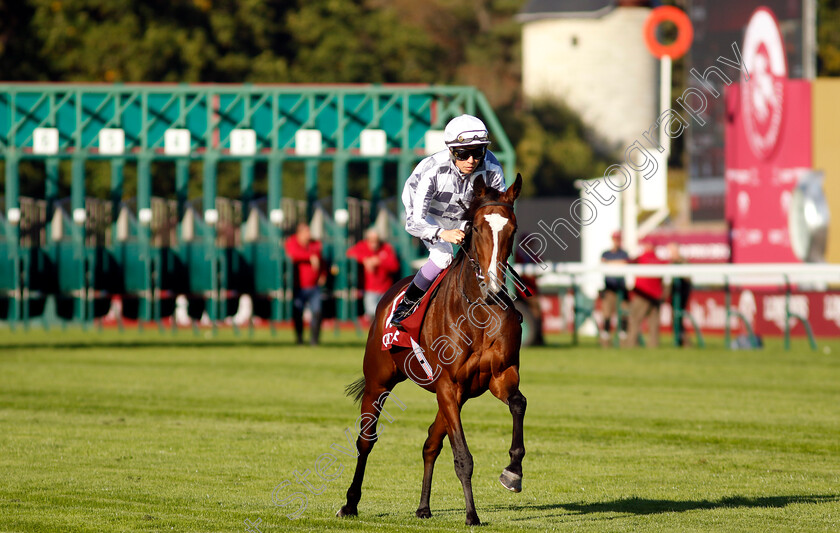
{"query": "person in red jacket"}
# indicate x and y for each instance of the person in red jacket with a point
(309, 278)
(380, 264)
(646, 300)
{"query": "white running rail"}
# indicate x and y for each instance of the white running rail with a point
(811, 274)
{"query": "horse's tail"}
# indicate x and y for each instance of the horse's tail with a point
(355, 390)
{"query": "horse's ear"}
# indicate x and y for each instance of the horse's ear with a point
(479, 187)
(513, 192)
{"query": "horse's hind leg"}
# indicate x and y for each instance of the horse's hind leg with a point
(506, 388)
(364, 444)
(431, 451)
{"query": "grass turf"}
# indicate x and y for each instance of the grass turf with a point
(150, 432)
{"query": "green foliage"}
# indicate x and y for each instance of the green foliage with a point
(214, 41)
(178, 41)
(828, 38)
(20, 57)
(348, 41)
(475, 42)
(472, 42)
(553, 149)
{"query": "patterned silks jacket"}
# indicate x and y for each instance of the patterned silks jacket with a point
(432, 192)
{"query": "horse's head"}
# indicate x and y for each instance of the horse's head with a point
(493, 226)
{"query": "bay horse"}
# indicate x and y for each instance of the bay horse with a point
(471, 337)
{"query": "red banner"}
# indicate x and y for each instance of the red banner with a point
(762, 171)
(764, 310)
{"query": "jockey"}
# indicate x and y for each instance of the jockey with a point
(430, 197)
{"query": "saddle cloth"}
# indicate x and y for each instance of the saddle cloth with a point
(394, 338)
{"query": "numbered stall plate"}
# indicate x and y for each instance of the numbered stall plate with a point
(45, 141)
(111, 141)
(176, 141)
(434, 141)
(145, 215)
(341, 216)
(79, 215)
(211, 216)
(308, 142)
(243, 142)
(276, 216)
(373, 143)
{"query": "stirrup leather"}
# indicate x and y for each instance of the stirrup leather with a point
(404, 310)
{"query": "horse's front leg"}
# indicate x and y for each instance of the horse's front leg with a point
(506, 388)
(449, 404)
(431, 451)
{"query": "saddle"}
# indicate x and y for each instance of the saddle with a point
(392, 338)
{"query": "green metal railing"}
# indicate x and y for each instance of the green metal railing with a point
(87, 118)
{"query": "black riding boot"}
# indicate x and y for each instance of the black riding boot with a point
(297, 319)
(412, 297)
(315, 329)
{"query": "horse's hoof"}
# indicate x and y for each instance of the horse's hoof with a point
(424, 513)
(346, 511)
(472, 520)
(511, 481)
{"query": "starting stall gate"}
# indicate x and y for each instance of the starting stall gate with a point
(73, 257)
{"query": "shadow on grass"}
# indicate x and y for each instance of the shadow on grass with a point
(644, 506)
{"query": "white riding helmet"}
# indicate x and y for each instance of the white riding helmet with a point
(465, 130)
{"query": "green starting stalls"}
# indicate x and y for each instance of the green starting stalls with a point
(75, 254)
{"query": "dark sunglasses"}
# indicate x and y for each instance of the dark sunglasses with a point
(462, 154)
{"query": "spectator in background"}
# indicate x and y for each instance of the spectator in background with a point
(380, 264)
(680, 293)
(646, 300)
(309, 278)
(615, 290)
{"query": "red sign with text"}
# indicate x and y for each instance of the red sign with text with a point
(764, 310)
(768, 145)
(759, 181)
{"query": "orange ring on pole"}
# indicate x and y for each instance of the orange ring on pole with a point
(685, 32)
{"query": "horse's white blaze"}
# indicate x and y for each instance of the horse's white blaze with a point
(497, 222)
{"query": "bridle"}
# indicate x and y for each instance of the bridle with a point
(475, 265)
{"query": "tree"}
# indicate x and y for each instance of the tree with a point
(554, 149)
(136, 40)
(465, 42)
(349, 41)
(828, 38)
